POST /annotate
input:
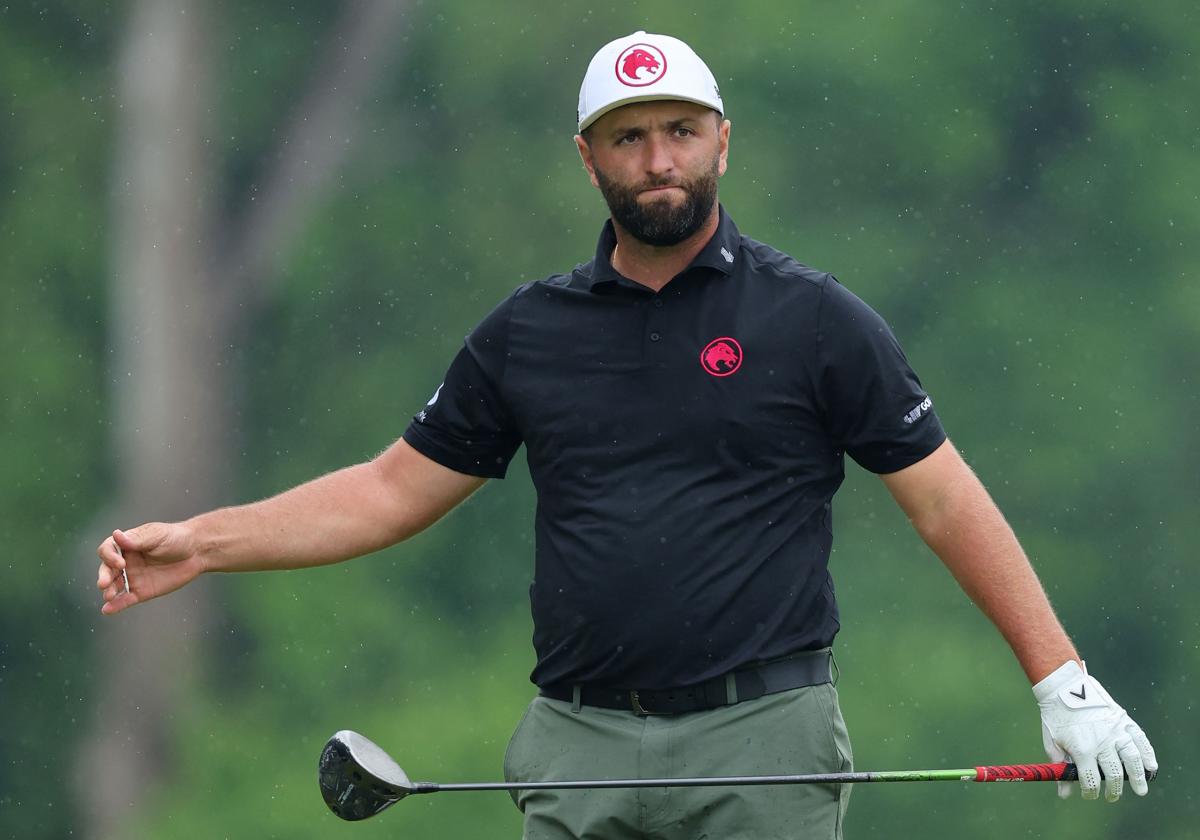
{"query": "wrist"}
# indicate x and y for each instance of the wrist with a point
(1071, 671)
(192, 534)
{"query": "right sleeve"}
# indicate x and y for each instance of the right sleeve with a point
(466, 425)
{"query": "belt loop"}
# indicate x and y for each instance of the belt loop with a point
(730, 688)
(835, 672)
(576, 698)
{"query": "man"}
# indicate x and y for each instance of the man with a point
(686, 400)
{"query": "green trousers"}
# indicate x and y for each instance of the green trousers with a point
(795, 731)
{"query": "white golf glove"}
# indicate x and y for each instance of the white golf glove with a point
(1081, 721)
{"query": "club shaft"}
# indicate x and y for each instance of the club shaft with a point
(999, 773)
(602, 784)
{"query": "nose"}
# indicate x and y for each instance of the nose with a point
(659, 162)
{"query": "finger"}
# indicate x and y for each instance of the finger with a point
(123, 600)
(125, 539)
(1132, 759)
(1056, 754)
(1053, 751)
(111, 591)
(142, 538)
(1089, 776)
(110, 553)
(104, 576)
(1114, 774)
(1149, 759)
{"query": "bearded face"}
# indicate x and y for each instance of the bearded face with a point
(666, 218)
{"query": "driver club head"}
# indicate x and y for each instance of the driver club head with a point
(357, 778)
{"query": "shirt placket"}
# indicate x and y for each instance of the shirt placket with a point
(654, 331)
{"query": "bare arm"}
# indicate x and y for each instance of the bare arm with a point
(344, 514)
(956, 517)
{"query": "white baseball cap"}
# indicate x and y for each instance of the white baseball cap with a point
(640, 68)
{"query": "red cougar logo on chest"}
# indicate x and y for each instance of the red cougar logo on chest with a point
(721, 356)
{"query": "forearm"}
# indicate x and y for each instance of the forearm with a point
(341, 515)
(956, 517)
(345, 514)
(979, 548)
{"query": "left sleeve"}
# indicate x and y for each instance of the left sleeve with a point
(467, 425)
(873, 403)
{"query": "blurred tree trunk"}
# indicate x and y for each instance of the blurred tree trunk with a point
(185, 284)
(170, 415)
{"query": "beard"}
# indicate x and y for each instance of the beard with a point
(661, 222)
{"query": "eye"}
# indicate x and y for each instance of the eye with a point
(683, 131)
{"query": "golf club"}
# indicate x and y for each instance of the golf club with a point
(358, 779)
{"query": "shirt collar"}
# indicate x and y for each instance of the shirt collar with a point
(720, 253)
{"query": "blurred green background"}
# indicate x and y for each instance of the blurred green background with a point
(240, 242)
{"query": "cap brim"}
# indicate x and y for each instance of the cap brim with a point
(647, 97)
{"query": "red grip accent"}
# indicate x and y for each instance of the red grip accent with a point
(1021, 773)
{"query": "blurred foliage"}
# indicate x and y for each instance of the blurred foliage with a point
(1014, 187)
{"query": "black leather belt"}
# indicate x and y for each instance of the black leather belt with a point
(808, 668)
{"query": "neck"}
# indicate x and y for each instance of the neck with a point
(655, 266)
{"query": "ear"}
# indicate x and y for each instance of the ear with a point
(723, 141)
(585, 154)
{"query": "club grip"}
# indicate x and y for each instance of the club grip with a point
(1026, 773)
(1057, 772)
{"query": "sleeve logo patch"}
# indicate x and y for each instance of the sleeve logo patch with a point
(918, 412)
(423, 413)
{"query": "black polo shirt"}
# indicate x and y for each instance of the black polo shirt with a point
(685, 446)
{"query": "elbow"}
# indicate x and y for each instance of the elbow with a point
(401, 520)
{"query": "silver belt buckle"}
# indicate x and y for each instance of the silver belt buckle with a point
(637, 706)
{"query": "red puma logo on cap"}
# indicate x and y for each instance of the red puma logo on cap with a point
(636, 60)
(639, 57)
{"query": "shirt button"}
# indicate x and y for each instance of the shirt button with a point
(658, 303)
(655, 336)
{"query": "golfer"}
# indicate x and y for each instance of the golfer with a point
(686, 399)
